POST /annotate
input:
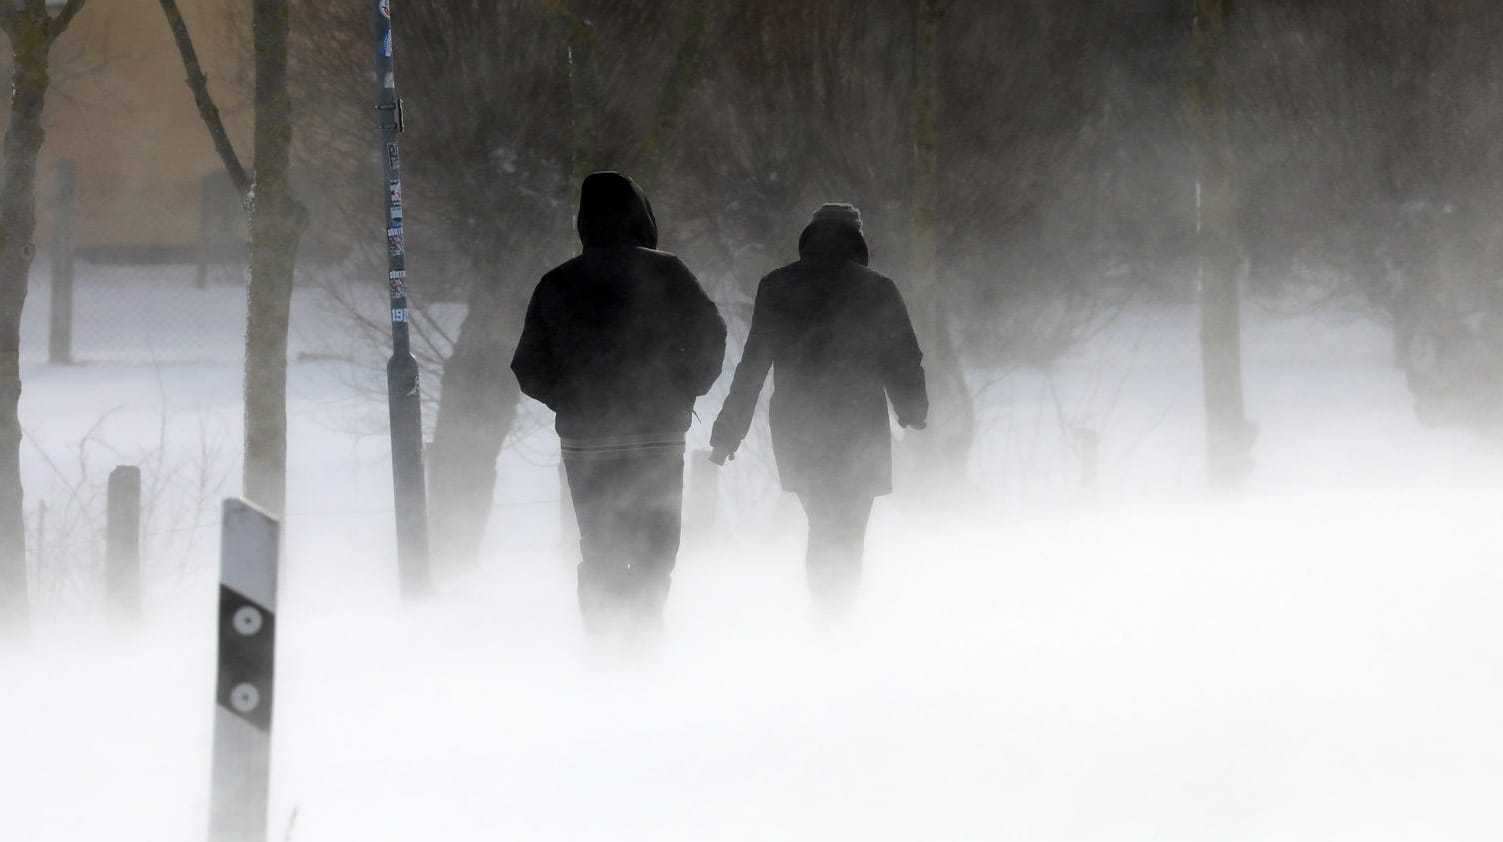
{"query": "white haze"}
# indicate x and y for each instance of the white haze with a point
(1316, 659)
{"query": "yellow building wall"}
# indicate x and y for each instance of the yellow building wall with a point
(120, 108)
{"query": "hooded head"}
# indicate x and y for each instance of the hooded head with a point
(613, 211)
(834, 233)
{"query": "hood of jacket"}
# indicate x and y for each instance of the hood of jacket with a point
(832, 240)
(614, 212)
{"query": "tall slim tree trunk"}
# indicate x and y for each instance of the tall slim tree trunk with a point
(277, 223)
(32, 32)
(477, 406)
(23, 141)
(478, 397)
(1229, 435)
(944, 449)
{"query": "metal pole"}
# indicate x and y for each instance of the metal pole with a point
(206, 196)
(403, 397)
(60, 322)
(249, 547)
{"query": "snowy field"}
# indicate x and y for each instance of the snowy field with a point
(1320, 658)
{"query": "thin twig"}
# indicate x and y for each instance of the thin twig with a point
(199, 84)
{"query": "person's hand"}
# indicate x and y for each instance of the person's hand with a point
(720, 454)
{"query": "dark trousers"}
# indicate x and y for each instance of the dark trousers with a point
(837, 537)
(630, 515)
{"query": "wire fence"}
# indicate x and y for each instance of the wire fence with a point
(66, 568)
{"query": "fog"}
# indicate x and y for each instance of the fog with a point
(1082, 617)
(1309, 659)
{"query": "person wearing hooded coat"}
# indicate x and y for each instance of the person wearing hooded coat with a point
(619, 342)
(837, 337)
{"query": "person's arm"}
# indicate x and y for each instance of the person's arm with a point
(741, 404)
(704, 337)
(535, 362)
(902, 361)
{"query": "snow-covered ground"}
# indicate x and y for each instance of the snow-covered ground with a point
(1316, 659)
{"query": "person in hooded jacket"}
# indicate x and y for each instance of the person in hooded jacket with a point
(619, 342)
(837, 337)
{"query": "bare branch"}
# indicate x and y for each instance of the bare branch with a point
(199, 84)
(64, 18)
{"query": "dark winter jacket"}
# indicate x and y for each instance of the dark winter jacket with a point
(620, 340)
(838, 340)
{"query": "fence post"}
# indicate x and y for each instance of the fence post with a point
(60, 322)
(122, 547)
(249, 547)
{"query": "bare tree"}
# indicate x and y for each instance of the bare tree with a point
(1363, 133)
(277, 223)
(32, 32)
(503, 105)
(1037, 162)
(946, 448)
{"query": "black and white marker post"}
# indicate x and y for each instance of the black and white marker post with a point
(401, 370)
(243, 691)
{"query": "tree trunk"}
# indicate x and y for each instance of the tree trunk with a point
(1229, 435)
(942, 451)
(277, 223)
(30, 44)
(478, 397)
(477, 406)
